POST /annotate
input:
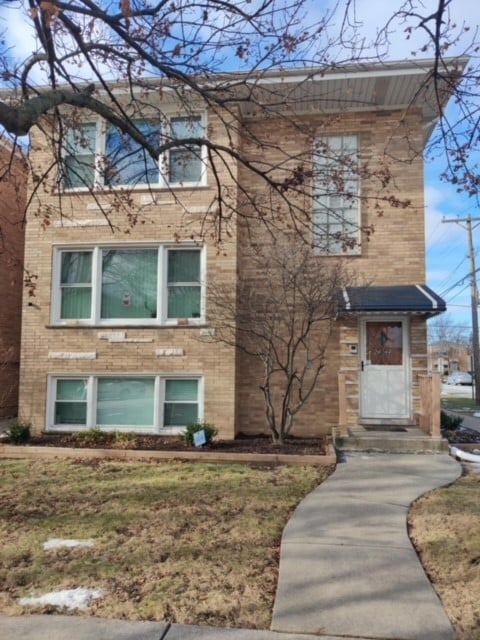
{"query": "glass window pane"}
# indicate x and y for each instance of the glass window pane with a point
(181, 390)
(80, 156)
(336, 207)
(71, 413)
(185, 165)
(183, 266)
(125, 401)
(129, 283)
(384, 343)
(71, 389)
(186, 127)
(186, 162)
(76, 303)
(180, 415)
(76, 267)
(184, 295)
(127, 162)
(183, 302)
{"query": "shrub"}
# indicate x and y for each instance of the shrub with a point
(19, 432)
(93, 436)
(195, 427)
(450, 422)
(125, 440)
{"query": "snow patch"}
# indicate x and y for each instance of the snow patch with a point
(56, 543)
(68, 598)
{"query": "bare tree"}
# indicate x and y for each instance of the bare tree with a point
(121, 62)
(282, 318)
(443, 331)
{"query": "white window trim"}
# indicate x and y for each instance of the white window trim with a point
(357, 250)
(92, 379)
(163, 162)
(162, 286)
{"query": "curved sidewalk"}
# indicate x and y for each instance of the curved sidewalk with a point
(347, 567)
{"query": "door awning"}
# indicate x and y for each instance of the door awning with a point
(415, 299)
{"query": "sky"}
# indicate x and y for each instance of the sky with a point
(446, 244)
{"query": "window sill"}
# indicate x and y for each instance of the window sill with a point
(140, 431)
(125, 327)
(144, 188)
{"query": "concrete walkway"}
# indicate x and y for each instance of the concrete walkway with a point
(347, 568)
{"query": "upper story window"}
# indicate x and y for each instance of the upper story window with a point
(129, 285)
(336, 204)
(96, 155)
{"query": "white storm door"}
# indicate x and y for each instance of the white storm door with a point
(385, 370)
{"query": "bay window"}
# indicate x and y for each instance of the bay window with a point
(336, 203)
(154, 403)
(97, 154)
(128, 285)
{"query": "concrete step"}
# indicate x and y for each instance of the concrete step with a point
(388, 439)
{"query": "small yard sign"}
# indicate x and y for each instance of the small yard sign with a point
(199, 438)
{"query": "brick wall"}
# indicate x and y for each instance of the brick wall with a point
(393, 254)
(12, 210)
(165, 217)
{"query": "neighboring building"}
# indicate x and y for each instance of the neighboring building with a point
(116, 337)
(13, 197)
(448, 357)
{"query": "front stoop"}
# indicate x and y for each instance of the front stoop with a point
(388, 440)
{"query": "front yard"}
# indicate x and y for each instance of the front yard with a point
(189, 543)
(444, 526)
(196, 543)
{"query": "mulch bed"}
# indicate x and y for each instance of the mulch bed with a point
(462, 435)
(243, 444)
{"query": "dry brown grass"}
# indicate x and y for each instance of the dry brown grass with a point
(189, 543)
(445, 528)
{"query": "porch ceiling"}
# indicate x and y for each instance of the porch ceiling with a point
(415, 299)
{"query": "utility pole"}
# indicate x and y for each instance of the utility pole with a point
(466, 223)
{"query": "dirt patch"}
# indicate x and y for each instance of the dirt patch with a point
(243, 444)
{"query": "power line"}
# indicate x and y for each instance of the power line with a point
(474, 298)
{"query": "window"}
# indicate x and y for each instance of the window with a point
(129, 285)
(151, 404)
(71, 402)
(181, 404)
(336, 204)
(185, 163)
(128, 163)
(97, 154)
(79, 156)
(125, 402)
(184, 290)
(76, 284)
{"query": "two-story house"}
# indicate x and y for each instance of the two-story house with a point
(117, 334)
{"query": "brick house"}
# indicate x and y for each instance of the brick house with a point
(116, 334)
(13, 195)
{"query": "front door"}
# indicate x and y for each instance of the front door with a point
(385, 370)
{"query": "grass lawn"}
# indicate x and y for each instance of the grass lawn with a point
(465, 405)
(445, 529)
(189, 543)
